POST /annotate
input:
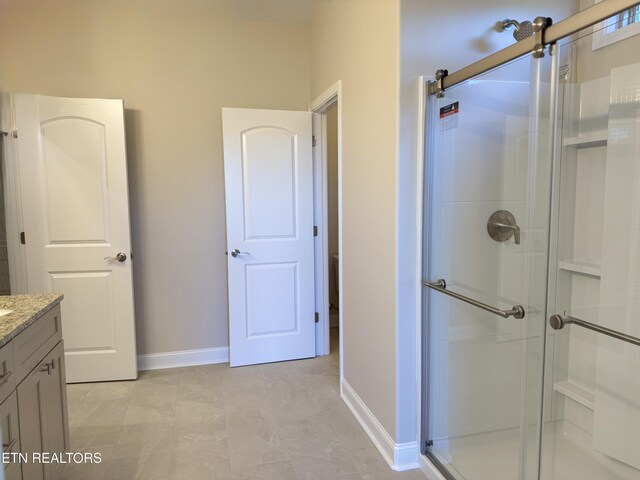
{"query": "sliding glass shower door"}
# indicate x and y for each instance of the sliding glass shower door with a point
(489, 178)
(592, 409)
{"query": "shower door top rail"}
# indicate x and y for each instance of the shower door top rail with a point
(441, 286)
(581, 20)
(558, 322)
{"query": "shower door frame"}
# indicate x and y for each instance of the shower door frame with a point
(546, 38)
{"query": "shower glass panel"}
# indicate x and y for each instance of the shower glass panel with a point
(488, 197)
(592, 411)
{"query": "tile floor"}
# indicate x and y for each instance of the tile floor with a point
(282, 421)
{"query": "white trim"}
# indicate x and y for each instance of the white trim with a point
(327, 98)
(183, 358)
(429, 469)
(399, 456)
(602, 39)
(320, 105)
(321, 242)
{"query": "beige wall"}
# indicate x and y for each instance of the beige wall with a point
(175, 63)
(356, 41)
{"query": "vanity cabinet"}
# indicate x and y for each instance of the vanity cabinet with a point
(33, 416)
(10, 434)
(42, 406)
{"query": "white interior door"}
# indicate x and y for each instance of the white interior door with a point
(73, 175)
(269, 194)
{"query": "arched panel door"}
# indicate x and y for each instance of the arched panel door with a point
(74, 195)
(269, 195)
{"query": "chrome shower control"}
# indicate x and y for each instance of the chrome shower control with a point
(502, 226)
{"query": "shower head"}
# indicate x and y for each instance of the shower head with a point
(522, 29)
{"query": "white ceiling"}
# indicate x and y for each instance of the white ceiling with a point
(279, 11)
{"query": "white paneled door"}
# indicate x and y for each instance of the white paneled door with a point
(73, 177)
(269, 194)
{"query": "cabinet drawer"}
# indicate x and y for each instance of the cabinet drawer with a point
(10, 434)
(7, 372)
(33, 344)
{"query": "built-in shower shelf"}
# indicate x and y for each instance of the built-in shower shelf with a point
(587, 140)
(575, 393)
(582, 268)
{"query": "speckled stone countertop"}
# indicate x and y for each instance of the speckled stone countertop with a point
(26, 310)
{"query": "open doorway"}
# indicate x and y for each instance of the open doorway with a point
(332, 227)
(327, 110)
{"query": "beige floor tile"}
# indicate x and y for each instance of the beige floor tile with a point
(253, 437)
(189, 412)
(203, 454)
(130, 467)
(281, 421)
(89, 471)
(203, 374)
(206, 392)
(141, 412)
(83, 437)
(156, 392)
(143, 452)
(372, 466)
(321, 468)
(315, 450)
(98, 412)
(244, 387)
(269, 471)
(170, 376)
(347, 428)
(109, 390)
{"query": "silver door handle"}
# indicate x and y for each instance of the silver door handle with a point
(237, 253)
(120, 257)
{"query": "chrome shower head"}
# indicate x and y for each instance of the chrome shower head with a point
(522, 29)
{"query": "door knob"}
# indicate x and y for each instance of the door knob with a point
(121, 257)
(237, 253)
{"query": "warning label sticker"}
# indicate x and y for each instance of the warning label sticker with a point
(449, 115)
(449, 110)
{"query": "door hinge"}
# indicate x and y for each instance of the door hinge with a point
(315, 231)
(23, 240)
(314, 141)
(428, 443)
(317, 317)
(15, 133)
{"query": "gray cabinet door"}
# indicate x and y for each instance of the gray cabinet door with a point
(32, 408)
(42, 402)
(10, 435)
(55, 416)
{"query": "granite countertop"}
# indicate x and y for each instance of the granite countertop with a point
(26, 310)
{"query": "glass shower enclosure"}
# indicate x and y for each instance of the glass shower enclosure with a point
(531, 355)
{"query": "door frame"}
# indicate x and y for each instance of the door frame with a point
(422, 123)
(318, 107)
(16, 254)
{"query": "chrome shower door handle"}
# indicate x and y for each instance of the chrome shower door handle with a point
(120, 257)
(237, 253)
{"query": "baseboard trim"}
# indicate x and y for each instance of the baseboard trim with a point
(399, 456)
(183, 358)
